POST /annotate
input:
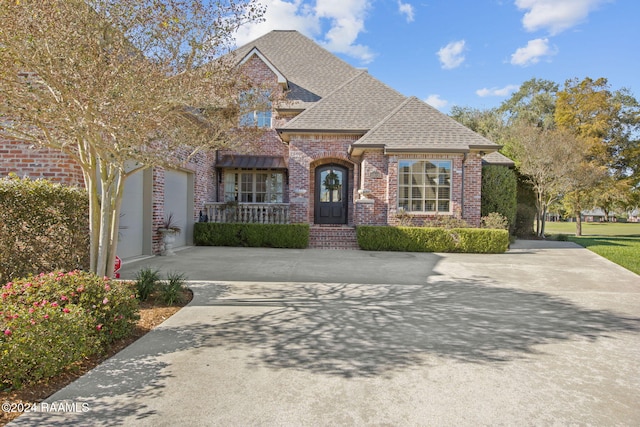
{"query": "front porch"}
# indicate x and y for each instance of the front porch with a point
(247, 213)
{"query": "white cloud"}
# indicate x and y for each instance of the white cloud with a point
(451, 56)
(436, 102)
(406, 9)
(345, 19)
(555, 15)
(280, 15)
(532, 52)
(494, 91)
(347, 22)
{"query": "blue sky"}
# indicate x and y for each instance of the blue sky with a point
(472, 53)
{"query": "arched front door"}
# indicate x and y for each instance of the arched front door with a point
(331, 196)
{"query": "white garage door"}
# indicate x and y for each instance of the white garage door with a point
(176, 197)
(131, 232)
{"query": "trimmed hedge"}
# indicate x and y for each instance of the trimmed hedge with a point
(252, 235)
(43, 227)
(425, 239)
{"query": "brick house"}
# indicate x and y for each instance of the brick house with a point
(345, 149)
(342, 150)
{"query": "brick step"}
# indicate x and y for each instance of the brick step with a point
(333, 237)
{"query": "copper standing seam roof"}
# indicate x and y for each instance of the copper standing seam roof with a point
(252, 162)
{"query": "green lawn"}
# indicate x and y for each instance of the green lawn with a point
(618, 242)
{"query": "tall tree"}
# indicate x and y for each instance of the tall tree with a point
(534, 104)
(550, 159)
(582, 189)
(609, 121)
(487, 123)
(115, 83)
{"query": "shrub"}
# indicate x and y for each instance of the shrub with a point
(422, 239)
(41, 341)
(446, 221)
(526, 208)
(146, 282)
(499, 193)
(171, 291)
(43, 227)
(51, 320)
(252, 235)
(486, 241)
(495, 220)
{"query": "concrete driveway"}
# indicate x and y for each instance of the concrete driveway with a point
(546, 334)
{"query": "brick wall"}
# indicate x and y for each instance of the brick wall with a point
(24, 159)
(469, 213)
(374, 168)
(306, 153)
(473, 189)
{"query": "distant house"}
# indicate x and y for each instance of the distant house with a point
(596, 215)
(343, 150)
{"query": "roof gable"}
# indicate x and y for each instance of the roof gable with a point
(312, 71)
(256, 52)
(416, 126)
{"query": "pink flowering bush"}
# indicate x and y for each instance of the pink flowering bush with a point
(50, 321)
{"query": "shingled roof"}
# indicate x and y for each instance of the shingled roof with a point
(335, 97)
(497, 158)
(356, 106)
(416, 126)
(311, 71)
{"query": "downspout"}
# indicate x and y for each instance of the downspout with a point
(216, 177)
(464, 161)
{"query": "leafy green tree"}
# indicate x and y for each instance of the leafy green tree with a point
(534, 104)
(487, 123)
(120, 85)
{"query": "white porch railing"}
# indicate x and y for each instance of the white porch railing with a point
(255, 213)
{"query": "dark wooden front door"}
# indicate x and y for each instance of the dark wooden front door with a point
(331, 195)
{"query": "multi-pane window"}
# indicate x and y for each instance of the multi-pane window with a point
(424, 185)
(253, 186)
(260, 117)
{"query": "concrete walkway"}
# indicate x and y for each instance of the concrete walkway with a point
(546, 334)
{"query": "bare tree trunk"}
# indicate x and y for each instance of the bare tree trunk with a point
(578, 224)
(544, 220)
(116, 203)
(539, 207)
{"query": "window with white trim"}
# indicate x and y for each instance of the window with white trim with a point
(253, 186)
(424, 186)
(260, 117)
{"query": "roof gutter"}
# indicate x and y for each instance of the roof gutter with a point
(439, 150)
(356, 150)
(285, 134)
(485, 147)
